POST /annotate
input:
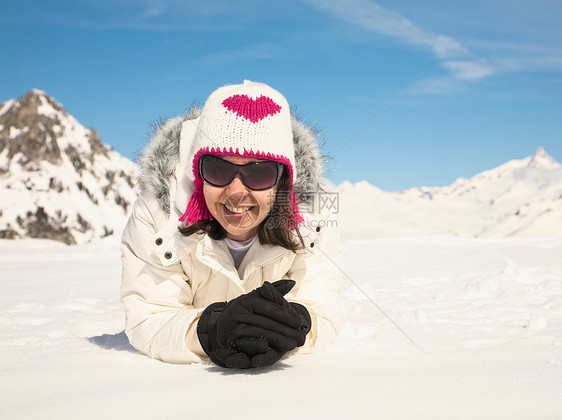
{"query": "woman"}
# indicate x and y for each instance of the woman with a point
(250, 270)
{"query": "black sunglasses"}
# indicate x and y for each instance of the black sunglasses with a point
(257, 176)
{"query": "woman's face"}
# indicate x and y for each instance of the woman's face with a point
(237, 208)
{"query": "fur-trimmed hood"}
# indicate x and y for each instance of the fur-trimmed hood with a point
(162, 158)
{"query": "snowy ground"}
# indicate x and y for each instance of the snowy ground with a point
(486, 315)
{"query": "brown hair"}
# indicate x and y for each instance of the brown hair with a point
(275, 229)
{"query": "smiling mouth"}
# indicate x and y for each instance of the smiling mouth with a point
(237, 210)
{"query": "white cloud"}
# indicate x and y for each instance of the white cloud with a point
(367, 14)
(469, 70)
(376, 18)
(531, 62)
(156, 8)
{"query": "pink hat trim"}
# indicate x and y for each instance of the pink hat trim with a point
(197, 208)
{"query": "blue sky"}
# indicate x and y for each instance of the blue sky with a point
(405, 93)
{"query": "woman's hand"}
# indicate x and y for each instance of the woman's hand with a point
(254, 329)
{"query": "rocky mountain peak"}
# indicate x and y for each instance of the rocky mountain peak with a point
(31, 127)
(64, 182)
(541, 159)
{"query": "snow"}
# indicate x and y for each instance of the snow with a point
(519, 198)
(45, 108)
(67, 195)
(70, 202)
(452, 304)
(73, 134)
(485, 313)
(14, 132)
(541, 159)
(5, 106)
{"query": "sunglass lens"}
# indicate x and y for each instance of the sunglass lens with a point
(217, 171)
(260, 176)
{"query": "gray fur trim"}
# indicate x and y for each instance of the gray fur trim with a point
(160, 157)
(310, 163)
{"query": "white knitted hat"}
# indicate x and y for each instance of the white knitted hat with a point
(250, 120)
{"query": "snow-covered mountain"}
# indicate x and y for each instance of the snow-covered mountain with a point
(519, 198)
(57, 179)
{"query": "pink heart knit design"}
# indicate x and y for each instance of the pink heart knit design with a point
(251, 109)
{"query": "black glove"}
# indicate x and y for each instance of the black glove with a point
(255, 329)
(258, 350)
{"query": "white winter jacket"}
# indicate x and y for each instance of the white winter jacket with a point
(169, 279)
